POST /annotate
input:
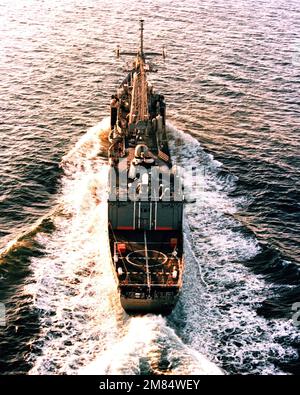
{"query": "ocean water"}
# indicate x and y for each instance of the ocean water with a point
(231, 82)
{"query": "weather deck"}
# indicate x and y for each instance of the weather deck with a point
(148, 262)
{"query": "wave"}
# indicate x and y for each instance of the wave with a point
(214, 328)
(150, 346)
(84, 329)
(25, 238)
(217, 315)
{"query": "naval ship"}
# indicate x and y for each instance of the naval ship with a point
(145, 199)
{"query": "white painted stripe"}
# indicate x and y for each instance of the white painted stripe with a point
(139, 216)
(150, 224)
(134, 208)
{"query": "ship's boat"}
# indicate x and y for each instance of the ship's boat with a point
(145, 201)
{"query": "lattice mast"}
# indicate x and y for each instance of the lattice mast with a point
(139, 94)
(139, 103)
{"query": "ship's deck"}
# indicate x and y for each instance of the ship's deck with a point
(148, 259)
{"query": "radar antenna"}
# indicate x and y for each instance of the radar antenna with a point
(141, 52)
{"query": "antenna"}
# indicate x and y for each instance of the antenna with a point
(141, 52)
(142, 37)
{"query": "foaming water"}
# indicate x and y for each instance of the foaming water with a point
(83, 327)
(151, 346)
(217, 313)
(73, 286)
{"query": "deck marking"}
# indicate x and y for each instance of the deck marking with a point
(150, 203)
(139, 215)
